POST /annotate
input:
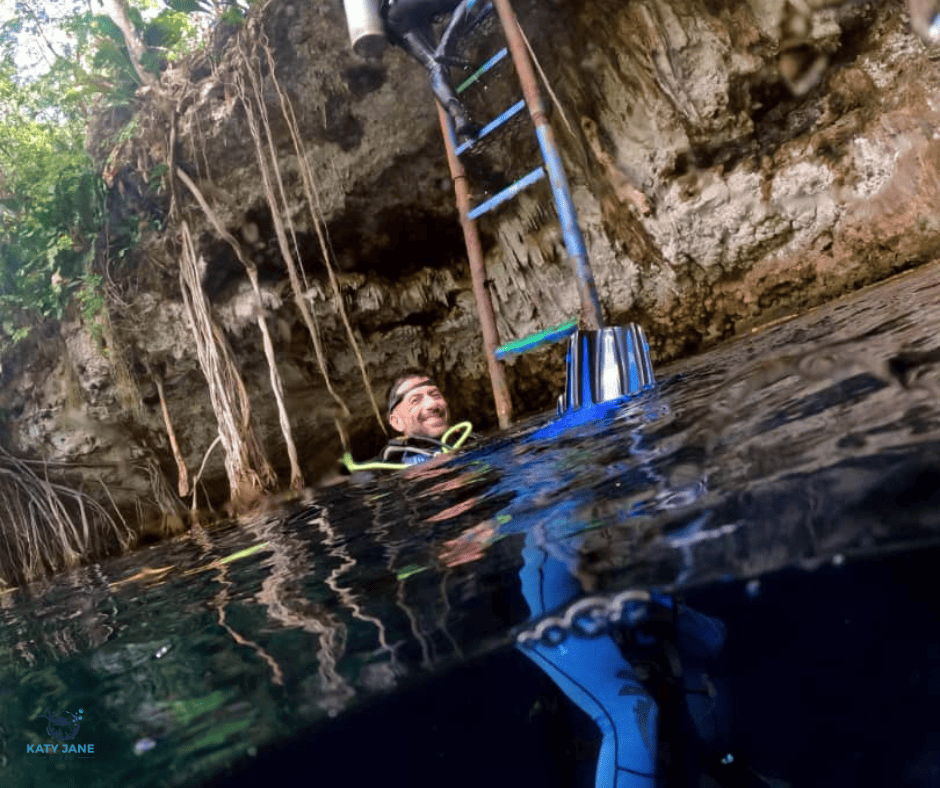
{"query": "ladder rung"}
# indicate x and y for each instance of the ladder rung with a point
(515, 109)
(482, 70)
(508, 193)
(553, 334)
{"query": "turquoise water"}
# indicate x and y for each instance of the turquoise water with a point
(812, 446)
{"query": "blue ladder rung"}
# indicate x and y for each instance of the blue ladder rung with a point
(508, 193)
(515, 109)
(482, 70)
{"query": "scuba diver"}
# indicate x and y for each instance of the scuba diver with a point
(645, 679)
(409, 26)
(416, 409)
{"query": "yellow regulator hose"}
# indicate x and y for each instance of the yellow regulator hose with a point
(464, 426)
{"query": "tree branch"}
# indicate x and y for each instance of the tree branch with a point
(117, 10)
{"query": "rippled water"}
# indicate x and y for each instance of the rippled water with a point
(787, 483)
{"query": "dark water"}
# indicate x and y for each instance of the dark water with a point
(787, 484)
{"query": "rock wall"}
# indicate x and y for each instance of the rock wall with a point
(731, 163)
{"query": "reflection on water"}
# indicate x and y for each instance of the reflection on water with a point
(812, 444)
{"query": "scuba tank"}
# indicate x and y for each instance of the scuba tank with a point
(366, 28)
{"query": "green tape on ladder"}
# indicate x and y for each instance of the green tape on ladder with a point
(553, 334)
(482, 70)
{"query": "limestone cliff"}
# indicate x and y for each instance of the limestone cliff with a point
(731, 163)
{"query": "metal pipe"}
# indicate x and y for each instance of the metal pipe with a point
(477, 274)
(366, 30)
(590, 305)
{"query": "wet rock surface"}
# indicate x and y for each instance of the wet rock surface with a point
(731, 163)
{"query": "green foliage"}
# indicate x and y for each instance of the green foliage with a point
(51, 204)
(233, 15)
(52, 200)
(168, 30)
(109, 59)
(91, 298)
(60, 62)
(189, 6)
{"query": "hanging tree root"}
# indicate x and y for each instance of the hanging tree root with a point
(271, 171)
(252, 271)
(47, 526)
(249, 472)
(183, 473)
(312, 196)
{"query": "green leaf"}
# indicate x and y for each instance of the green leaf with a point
(156, 176)
(53, 203)
(189, 6)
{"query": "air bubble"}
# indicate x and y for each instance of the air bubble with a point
(752, 589)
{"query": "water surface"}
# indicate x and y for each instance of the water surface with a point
(370, 626)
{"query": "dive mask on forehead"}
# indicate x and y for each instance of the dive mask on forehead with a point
(403, 389)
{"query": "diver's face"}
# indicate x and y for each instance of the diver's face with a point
(423, 411)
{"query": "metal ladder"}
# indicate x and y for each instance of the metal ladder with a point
(550, 168)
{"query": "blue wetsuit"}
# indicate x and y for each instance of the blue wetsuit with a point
(594, 675)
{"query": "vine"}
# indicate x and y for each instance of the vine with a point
(91, 298)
